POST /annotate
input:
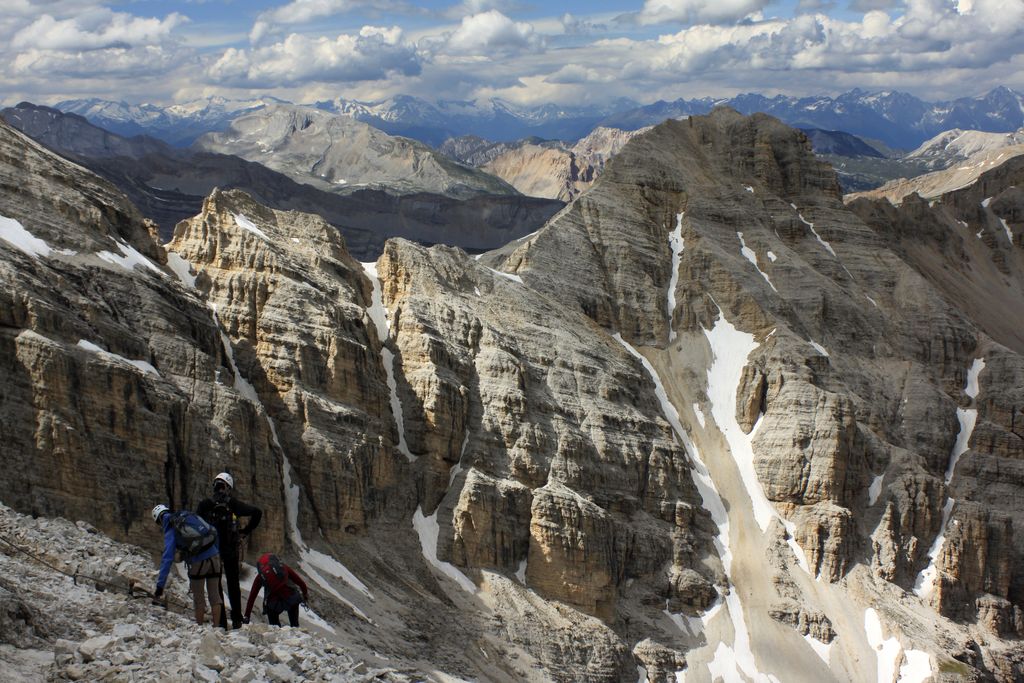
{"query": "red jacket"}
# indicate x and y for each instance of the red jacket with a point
(257, 585)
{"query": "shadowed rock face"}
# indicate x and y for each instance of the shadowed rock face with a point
(563, 460)
(967, 244)
(813, 356)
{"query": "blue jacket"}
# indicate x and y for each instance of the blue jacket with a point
(170, 546)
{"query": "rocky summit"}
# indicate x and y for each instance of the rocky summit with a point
(339, 154)
(708, 423)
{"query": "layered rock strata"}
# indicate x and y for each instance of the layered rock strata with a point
(117, 389)
(294, 304)
(850, 395)
(707, 420)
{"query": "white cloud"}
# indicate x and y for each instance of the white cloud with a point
(930, 35)
(270, 22)
(934, 48)
(75, 44)
(698, 11)
(489, 32)
(295, 12)
(95, 29)
(373, 53)
(470, 7)
(574, 74)
(108, 63)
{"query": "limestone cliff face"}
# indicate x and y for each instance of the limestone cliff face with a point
(859, 361)
(973, 255)
(293, 303)
(539, 437)
(555, 170)
(117, 391)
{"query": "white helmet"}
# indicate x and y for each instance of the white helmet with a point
(226, 478)
(158, 511)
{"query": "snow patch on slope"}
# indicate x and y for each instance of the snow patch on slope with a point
(971, 388)
(823, 650)
(182, 269)
(917, 665)
(728, 661)
(810, 225)
(15, 234)
(246, 224)
(130, 257)
(1006, 227)
(676, 244)
(379, 317)
(967, 417)
(875, 489)
(818, 347)
(137, 364)
(925, 583)
(699, 414)
(427, 529)
(749, 254)
(508, 276)
(887, 649)
(730, 349)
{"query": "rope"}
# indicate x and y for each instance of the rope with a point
(134, 591)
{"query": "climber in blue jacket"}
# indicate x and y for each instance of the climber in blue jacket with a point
(189, 534)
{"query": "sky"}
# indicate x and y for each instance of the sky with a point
(525, 51)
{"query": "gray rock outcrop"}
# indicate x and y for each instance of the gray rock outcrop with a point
(338, 153)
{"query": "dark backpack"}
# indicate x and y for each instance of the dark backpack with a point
(223, 518)
(192, 534)
(278, 591)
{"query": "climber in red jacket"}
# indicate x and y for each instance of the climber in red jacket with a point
(282, 592)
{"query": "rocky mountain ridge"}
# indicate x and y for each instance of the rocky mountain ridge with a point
(707, 420)
(956, 145)
(964, 174)
(551, 169)
(337, 153)
(176, 124)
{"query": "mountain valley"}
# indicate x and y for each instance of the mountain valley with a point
(705, 421)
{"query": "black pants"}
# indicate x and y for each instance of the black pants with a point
(230, 563)
(293, 617)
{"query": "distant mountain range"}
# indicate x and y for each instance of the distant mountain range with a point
(895, 118)
(177, 124)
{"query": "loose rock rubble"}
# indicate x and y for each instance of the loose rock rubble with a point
(54, 627)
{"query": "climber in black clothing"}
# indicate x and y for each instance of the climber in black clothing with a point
(223, 511)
